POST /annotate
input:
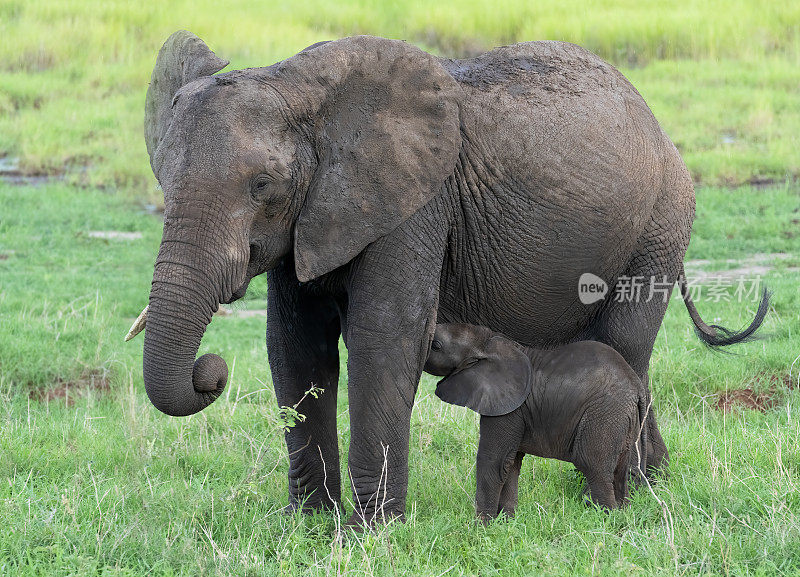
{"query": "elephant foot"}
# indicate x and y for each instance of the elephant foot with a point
(658, 470)
(509, 513)
(657, 454)
(308, 507)
(485, 519)
(360, 524)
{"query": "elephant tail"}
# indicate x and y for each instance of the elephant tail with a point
(715, 336)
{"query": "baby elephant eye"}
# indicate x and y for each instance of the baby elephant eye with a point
(436, 346)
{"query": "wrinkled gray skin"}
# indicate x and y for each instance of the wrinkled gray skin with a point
(377, 185)
(579, 402)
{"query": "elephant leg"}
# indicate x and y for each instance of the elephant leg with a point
(601, 435)
(621, 475)
(601, 489)
(629, 322)
(393, 293)
(498, 465)
(303, 348)
(510, 492)
(657, 454)
(631, 329)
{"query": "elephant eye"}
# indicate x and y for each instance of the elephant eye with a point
(436, 346)
(260, 186)
(261, 182)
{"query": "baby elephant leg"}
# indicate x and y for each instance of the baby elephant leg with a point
(492, 473)
(510, 490)
(601, 489)
(602, 455)
(496, 463)
(621, 474)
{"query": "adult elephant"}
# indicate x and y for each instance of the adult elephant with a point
(376, 185)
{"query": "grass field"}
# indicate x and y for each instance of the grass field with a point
(722, 77)
(95, 481)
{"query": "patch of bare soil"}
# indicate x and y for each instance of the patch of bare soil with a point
(763, 182)
(154, 209)
(96, 382)
(114, 235)
(11, 173)
(756, 265)
(763, 400)
(241, 313)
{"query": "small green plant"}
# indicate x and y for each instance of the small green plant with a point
(290, 416)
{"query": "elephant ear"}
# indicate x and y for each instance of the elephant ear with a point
(182, 58)
(495, 385)
(386, 122)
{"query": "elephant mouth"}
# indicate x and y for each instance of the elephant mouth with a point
(255, 266)
(467, 363)
(454, 372)
(445, 382)
(238, 293)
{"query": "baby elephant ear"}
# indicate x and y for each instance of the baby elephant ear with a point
(494, 385)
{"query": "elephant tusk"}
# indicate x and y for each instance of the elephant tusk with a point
(138, 324)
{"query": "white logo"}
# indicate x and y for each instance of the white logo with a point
(591, 288)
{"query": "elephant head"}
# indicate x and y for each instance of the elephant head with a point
(484, 371)
(312, 159)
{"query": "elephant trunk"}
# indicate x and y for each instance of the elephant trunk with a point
(184, 296)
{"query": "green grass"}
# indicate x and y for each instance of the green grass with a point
(733, 121)
(721, 76)
(94, 481)
(104, 484)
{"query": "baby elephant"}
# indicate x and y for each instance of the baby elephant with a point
(580, 403)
